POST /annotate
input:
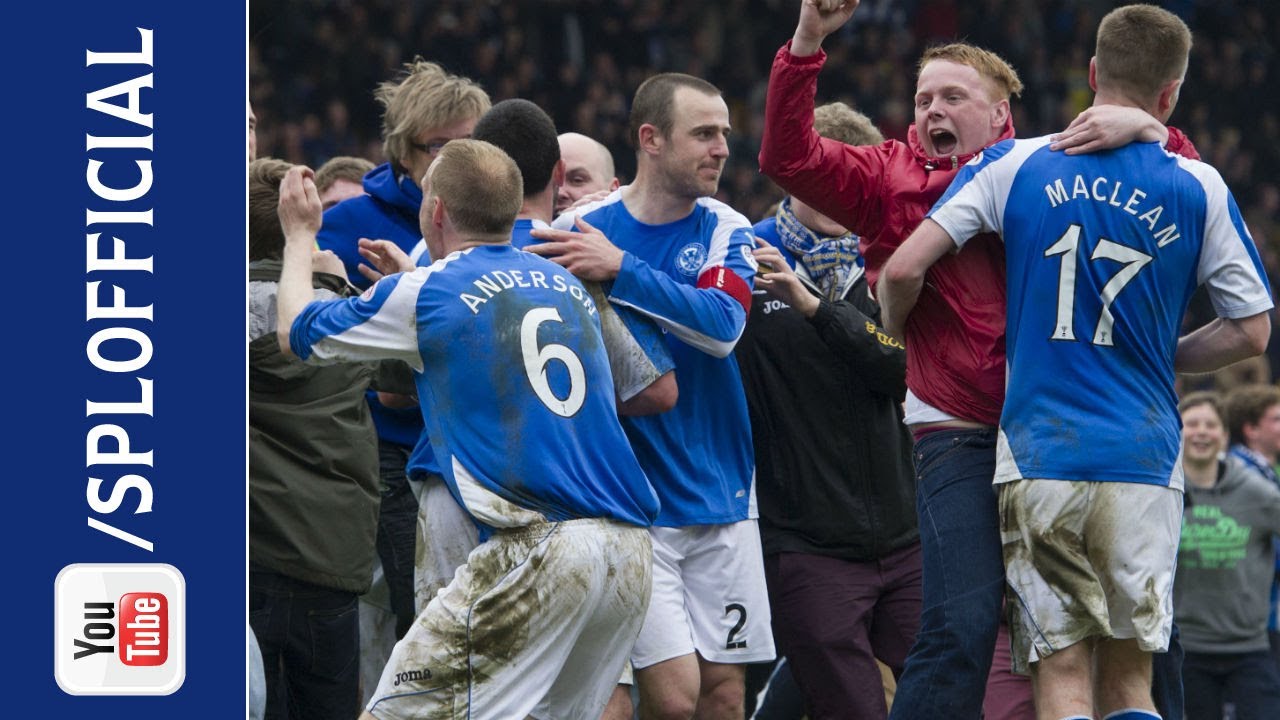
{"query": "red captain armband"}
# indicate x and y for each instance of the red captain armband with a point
(722, 278)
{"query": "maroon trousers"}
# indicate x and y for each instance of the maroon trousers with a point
(1008, 696)
(833, 618)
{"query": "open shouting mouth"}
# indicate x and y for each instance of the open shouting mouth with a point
(944, 141)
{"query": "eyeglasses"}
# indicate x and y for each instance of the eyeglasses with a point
(431, 148)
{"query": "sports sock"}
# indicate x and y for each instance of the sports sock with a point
(1133, 714)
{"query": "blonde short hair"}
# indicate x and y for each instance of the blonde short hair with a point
(1000, 75)
(342, 167)
(838, 121)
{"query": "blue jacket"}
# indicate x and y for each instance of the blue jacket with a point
(387, 211)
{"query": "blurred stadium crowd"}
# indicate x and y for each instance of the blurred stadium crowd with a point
(313, 65)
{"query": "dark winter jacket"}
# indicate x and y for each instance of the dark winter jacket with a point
(313, 454)
(833, 460)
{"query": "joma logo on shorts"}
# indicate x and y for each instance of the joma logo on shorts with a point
(412, 676)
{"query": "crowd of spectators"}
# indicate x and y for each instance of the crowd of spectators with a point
(313, 65)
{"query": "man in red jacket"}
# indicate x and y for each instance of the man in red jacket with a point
(955, 335)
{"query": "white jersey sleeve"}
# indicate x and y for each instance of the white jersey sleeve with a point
(1229, 267)
(380, 324)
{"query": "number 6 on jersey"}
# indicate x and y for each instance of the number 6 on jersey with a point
(536, 359)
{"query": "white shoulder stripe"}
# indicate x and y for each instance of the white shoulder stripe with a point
(701, 341)
(728, 221)
(564, 221)
(1229, 264)
(1006, 167)
(391, 332)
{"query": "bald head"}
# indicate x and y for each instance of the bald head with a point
(588, 168)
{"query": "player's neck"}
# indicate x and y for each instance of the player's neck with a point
(651, 204)
(540, 206)
(1104, 97)
(470, 241)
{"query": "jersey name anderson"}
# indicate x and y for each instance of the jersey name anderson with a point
(511, 365)
(493, 282)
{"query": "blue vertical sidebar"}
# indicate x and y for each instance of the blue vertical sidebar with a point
(189, 356)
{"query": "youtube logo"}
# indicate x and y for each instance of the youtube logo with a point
(119, 629)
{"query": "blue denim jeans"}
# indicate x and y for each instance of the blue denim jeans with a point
(782, 698)
(310, 641)
(946, 671)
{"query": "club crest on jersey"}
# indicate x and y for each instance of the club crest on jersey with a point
(691, 258)
(749, 257)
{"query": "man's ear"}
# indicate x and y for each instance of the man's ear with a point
(1093, 73)
(1168, 98)
(650, 139)
(1000, 117)
(438, 212)
(557, 174)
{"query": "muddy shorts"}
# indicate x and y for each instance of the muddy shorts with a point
(446, 536)
(1088, 559)
(539, 622)
(708, 595)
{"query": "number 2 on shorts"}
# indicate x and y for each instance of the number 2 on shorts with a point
(730, 643)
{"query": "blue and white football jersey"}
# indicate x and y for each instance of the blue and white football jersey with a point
(638, 353)
(1103, 252)
(693, 278)
(511, 368)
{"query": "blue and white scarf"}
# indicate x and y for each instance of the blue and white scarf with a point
(831, 262)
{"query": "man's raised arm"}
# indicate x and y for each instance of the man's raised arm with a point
(818, 19)
(300, 214)
(840, 181)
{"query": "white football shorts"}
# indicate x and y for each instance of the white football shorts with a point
(708, 595)
(538, 622)
(1088, 559)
